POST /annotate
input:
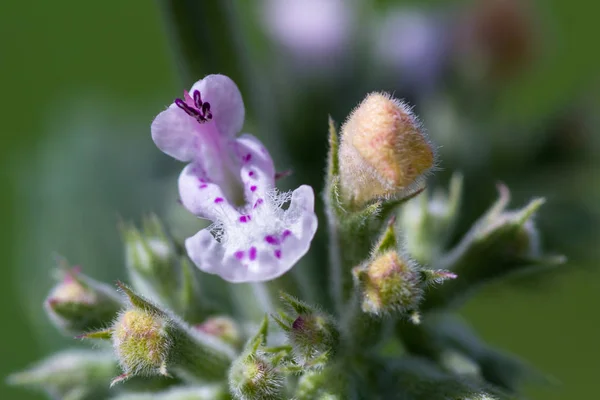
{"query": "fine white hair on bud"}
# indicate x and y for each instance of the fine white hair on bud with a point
(384, 152)
(255, 377)
(141, 342)
(389, 283)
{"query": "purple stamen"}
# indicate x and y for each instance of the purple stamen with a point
(197, 99)
(201, 112)
(188, 110)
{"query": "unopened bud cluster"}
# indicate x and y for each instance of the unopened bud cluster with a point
(391, 281)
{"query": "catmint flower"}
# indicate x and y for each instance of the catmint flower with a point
(315, 32)
(415, 44)
(231, 181)
(383, 151)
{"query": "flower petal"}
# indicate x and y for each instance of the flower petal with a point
(226, 104)
(262, 247)
(174, 133)
(201, 196)
(257, 171)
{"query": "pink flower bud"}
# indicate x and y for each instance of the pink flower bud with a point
(384, 152)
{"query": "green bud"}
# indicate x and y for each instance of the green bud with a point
(71, 374)
(151, 259)
(222, 327)
(256, 374)
(254, 377)
(142, 342)
(79, 303)
(428, 221)
(208, 392)
(501, 243)
(388, 283)
(151, 341)
(314, 335)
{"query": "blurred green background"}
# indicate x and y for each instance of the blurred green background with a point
(82, 82)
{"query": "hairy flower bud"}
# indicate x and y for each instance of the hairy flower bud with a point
(151, 259)
(71, 374)
(389, 283)
(315, 338)
(79, 303)
(255, 374)
(150, 341)
(255, 377)
(383, 152)
(313, 334)
(142, 342)
(222, 327)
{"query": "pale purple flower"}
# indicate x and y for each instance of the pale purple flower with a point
(415, 43)
(231, 181)
(312, 30)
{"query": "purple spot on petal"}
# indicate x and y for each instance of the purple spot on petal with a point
(258, 202)
(285, 234)
(219, 200)
(247, 157)
(203, 186)
(251, 173)
(245, 218)
(271, 240)
(278, 253)
(252, 253)
(253, 188)
(239, 254)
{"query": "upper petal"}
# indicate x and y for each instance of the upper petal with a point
(174, 133)
(226, 103)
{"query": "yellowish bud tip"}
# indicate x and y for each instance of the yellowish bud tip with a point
(222, 327)
(390, 283)
(383, 151)
(141, 342)
(71, 291)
